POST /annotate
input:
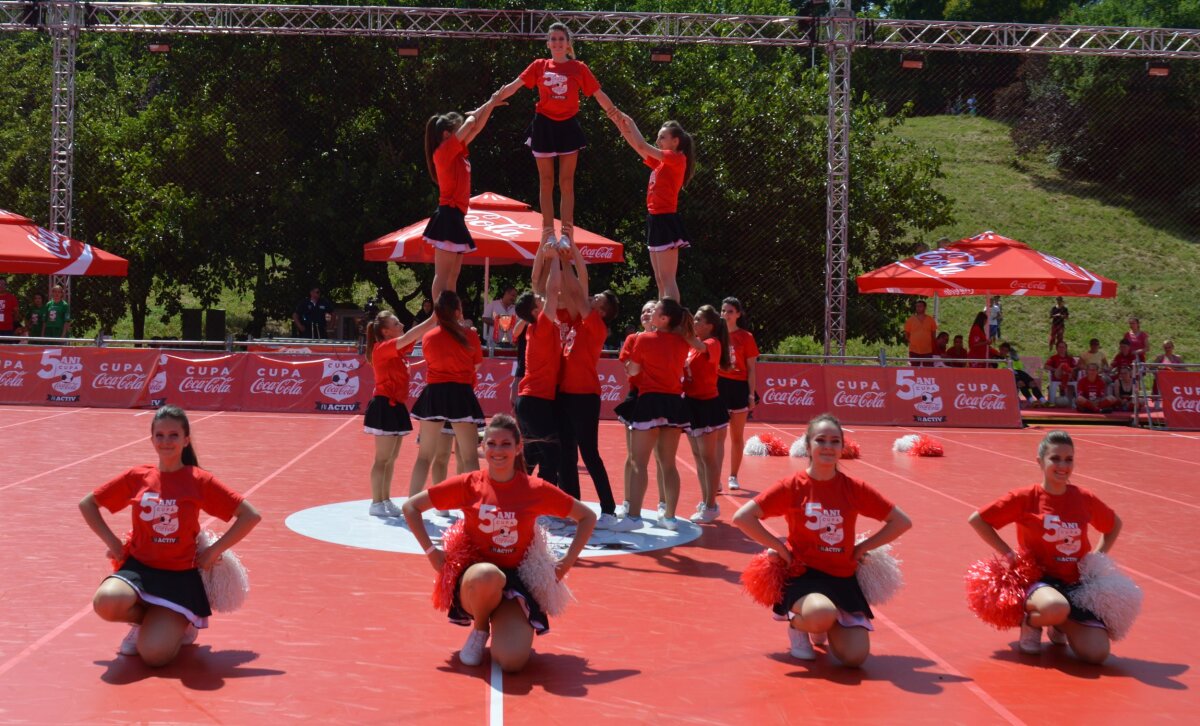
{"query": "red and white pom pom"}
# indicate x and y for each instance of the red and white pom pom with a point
(538, 570)
(799, 448)
(996, 588)
(774, 444)
(116, 564)
(460, 554)
(755, 447)
(227, 581)
(850, 449)
(917, 445)
(766, 574)
(879, 574)
(1109, 593)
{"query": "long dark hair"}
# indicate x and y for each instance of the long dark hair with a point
(817, 421)
(733, 302)
(446, 311)
(373, 330)
(176, 414)
(612, 306)
(980, 321)
(713, 318)
(504, 422)
(524, 306)
(434, 128)
(673, 310)
(687, 147)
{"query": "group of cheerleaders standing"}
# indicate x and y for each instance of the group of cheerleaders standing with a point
(687, 373)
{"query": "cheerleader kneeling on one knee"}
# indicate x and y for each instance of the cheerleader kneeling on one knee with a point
(498, 594)
(157, 586)
(822, 594)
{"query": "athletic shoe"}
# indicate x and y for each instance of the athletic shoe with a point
(800, 645)
(472, 650)
(1056, 636)
(626, 524)
(733, 483)
(1031, 639)
(818, 638)
(662, 509)
(622, 510)
(391, 508)
(668, 523)
(189, 635)
(564, 242)
(379, 509)
(551, 239)
(129, 644)
(606, 521)
(705, 514)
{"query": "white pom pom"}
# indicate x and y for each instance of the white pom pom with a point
(799, 448)
(228, 581)
(1109, 593)
(904, 444)
(755, 447)
(879, 574)
(537, 571)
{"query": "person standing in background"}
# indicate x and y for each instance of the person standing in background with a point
(8, 310)
(36, 320)
(1058, 322)
(312, 316)
(919, 331)
(994, 318)
(58, 315)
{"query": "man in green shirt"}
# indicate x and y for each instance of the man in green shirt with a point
(36, 317)
(58, 315)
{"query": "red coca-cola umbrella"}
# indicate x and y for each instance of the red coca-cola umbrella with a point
(986, 264)
(28, 248)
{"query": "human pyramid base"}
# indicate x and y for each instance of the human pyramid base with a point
(690, 374)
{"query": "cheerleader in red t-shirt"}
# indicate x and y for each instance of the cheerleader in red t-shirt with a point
(157, 586)
(446, 138)
(624, 410)
(501, 506)
(672, 159)
(821, 506)
(1052, 520)
(555, 131)
(708, 415)
(452, 355)
(659, 413)
(737, 384)
(386, 418)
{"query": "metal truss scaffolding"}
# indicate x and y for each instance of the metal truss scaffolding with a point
(840, 34)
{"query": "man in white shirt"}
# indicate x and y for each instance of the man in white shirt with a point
(504, 305)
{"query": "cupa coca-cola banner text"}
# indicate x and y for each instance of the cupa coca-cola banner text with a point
(1180, 398)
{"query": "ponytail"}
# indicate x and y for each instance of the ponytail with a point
(434, 127)
(719, 331)
(446, 311)
(175, 413)
(375, 328)
(687, 147)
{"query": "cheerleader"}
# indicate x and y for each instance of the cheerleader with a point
(625, 408)
(555, 130)
(577, 405)
(386, 417)
(157, 586)
(821, 506)
(446, 138)
(707, 413)
(737, 383)
(452, 355)
(543, 361)
(501, 507)
(1052, 520)
(672, 159)
(659, 413)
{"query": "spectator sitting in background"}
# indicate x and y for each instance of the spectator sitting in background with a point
(1124, 357)
(1094, 355)
(1028, 387)
(939, 349)
(919, 331)
(1058, 322)
(1139, 342)
(956, 351)
(9, 314)
(313, 315)
(1092, 394)
(1062, 367)
(1123, 388)
(57, 322)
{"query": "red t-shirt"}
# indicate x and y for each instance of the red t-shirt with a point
(1121, 360)
(702, 385)
(1137, 343)
(9, 311)
(500, 516)
(1056, 361)
(1091, 389)
(662, 195)
(741, 347)
(661, 357)
(623, 356)
(390, 366)
(1054, 528)
(449, 361)
(581, 353)
(820, 517)
(453, 174)
(166, 514)
(559, 86)
(543, 358)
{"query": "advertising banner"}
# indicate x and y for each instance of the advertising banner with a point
(857, 394)
(789, 392)
(1181, 398)
(984, 397)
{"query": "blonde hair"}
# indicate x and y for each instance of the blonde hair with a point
(374, 336)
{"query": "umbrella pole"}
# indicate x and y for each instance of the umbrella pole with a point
(937, 299)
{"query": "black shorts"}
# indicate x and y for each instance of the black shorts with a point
(451, 402)
(844, 592)
(735, 394)
(658, 410)
(706, 415)
(1078, 614)
(549, 138)
(178, 590)
(384, 419)
(447, 230)
(665, 232)
(514, 589)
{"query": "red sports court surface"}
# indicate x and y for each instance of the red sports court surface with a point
(347, 634)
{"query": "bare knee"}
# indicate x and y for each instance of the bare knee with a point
(483, 578)
(158, 655)
(1050, 613)
(112, 603)
(511, 661)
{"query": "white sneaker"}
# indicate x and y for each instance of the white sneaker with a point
(662, 509)
(472, 650)
(564, 242)
(379, 509)
(709, 514)
(668, 523)
(800, 645)
(626, 524)
(1031, 639)
(391, 508)
(622, 510)
(129, 644)
(733, 483)
(189, 635)
(606, 521)
(1056, 636)
(818, 638)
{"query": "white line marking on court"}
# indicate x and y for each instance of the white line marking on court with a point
(496, 696)
(43, 418)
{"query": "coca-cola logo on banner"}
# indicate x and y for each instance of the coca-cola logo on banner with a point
(487, 386)
(789, 392)
(1186, 399)
(949, 262)
(598, 253)
(115, 376)
(611, 389)
(206, 378)
(61, 369)
(12, 373)
(980, 397)
(278, 380)
(859, 393)
(342, 383)
(52, 242)
(923, 392)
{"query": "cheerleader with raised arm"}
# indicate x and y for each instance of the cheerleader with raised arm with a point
(708, 417)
